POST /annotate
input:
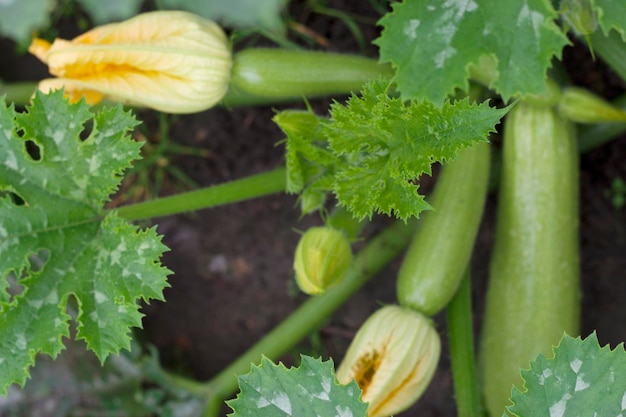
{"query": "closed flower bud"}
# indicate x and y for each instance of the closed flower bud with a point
(582, 106)
(322, 258)
(393, 357)
(170, 61)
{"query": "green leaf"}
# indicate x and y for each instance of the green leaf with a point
(51, 203)
(582, 379)
(308, 159)
(110, 10)
(310, 390)
(611, 15)
(387, 144)
(19, 18)
(432, 44)
(238, 13)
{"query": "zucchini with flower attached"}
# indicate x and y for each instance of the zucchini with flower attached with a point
(533, 293)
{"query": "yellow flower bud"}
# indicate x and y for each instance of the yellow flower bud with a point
(393, 357)
(171, 61)
(322, 258)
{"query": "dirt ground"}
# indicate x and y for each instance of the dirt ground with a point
(233, 281)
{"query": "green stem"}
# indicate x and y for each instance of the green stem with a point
(461, 339)
(311, 315)
(258, 185)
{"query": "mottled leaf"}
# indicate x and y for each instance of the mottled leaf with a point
(310, 390)
(582, 379)
(53, 185)
(433, 43)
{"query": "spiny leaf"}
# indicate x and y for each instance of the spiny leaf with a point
(432, 44)
(387, 144)
(310, 390)
(51, 205)
(582, 379)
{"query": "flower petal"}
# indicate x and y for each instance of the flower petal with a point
(170, 61)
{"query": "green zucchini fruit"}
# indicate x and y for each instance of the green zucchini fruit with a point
(533, 292)
(288, 74)
(434, 263)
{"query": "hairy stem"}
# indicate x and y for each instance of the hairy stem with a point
(258, 185)
(461, 339)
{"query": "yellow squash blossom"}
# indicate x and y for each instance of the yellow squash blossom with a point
(393, 357)
(171, 61)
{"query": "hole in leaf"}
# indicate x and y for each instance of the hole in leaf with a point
(33, 150)
(13, 197)
(15, 289)
(38, 260)
(87, 129)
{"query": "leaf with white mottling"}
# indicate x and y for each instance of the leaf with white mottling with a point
(310, 390)
(57, 244)
(582, 379)
(432, 44)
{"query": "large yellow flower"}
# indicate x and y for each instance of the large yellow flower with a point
(170, 61)
(393, 357)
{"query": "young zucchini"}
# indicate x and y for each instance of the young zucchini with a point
(434, 263)
(533, 295)
(287, 74)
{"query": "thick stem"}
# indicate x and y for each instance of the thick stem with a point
(310, 315)
(238, 190)
(461, 339)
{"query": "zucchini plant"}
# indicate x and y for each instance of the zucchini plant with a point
(64, 257)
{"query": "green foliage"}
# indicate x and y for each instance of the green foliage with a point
(373, 149)
(109, 10)
(238, 13)
(19, 18)
(52, 204)
(433, 43)
(611, 16)
(582, 379)
(310, 390)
